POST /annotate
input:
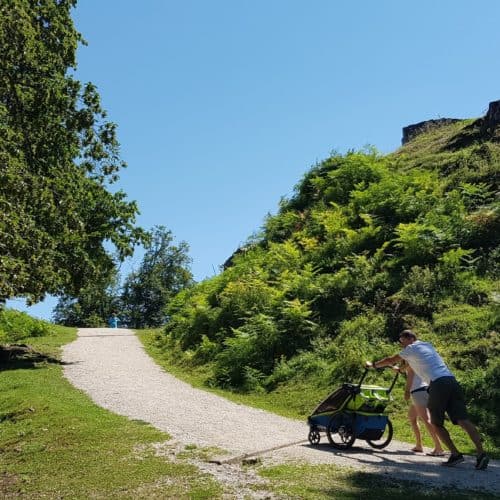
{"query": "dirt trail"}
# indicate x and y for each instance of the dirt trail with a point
(111, 366)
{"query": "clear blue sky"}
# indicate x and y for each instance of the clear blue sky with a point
(223, 105)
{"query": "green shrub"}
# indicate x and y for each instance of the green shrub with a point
(463, 322)
(399, 197)
(483, 225)
(357, 172)
(369, 327)
(300, 284)
(281, 226)
(425, 287)
(206, 350)
(295, 327)
(16, 326)
(419, 242)
(489, 265)
(359, 339)
(253, 380)
(306, 365)
(483, 396)
(244, 297)
(254, 345)
(95, 321)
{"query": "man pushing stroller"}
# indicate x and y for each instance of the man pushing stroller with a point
(445, 394)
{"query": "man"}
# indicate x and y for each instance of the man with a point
(445, 394)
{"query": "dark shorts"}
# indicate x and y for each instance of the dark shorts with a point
(446, 396)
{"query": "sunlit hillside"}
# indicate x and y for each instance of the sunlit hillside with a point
(368, 244)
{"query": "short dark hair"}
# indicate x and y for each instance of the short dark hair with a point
(408, 334)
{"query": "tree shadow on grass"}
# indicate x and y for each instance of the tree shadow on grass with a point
(21, 356)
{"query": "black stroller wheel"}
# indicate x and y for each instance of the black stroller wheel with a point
(340, 431)
(314, 436)
(384, 440)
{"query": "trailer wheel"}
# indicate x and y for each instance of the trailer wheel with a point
(340, 431)
(384, 440)
(314, 436)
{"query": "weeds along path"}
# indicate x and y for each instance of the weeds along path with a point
(111, 366)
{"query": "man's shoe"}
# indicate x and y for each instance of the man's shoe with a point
(482, 461)
(453, 460)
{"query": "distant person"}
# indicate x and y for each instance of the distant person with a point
(445, 394)
(416, 392)
(113, 321)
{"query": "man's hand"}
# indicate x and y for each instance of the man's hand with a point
(369, 364)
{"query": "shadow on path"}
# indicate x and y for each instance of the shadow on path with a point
(410, 466)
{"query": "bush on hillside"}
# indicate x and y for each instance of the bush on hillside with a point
(483, 395)
(16, 326)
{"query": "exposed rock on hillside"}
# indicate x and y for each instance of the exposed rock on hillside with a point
(411, 131)
(489, 123)
(492, 119)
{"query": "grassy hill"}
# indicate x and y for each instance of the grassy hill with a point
(368, 244)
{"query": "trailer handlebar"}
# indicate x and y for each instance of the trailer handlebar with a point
(367, 369)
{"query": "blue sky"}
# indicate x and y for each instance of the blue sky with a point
(223, 105)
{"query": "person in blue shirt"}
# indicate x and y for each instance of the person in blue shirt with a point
(113, 321)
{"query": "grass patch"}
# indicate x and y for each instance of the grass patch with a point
(55, 443)
(298, 399)
(191, 451)
(317, 482)
(434, 140)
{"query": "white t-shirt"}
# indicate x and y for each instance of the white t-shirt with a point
(425, 361)
(417, 383)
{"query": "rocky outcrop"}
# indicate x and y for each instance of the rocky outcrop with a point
(488, 123)
(411, 131)
(492, 118)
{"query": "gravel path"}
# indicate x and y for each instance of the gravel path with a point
(111, 366)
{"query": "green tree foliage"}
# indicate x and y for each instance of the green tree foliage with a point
(95, 303)
(367, 245)
(58, 155)
(163, 273)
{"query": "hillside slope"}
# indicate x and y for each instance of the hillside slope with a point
(368, 244)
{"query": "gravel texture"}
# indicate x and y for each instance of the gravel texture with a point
(111, 366)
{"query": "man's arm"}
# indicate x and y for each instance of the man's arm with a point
(384, 362)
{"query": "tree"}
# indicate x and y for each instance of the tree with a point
(163, 273)
(58, 156)
(94, 304)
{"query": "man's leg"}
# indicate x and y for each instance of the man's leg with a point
(482, 458)
(439, 397)
(444, 437)
(458, 414)
(471, 430)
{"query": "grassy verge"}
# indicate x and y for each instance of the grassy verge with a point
(55, 443)
(298, 400)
